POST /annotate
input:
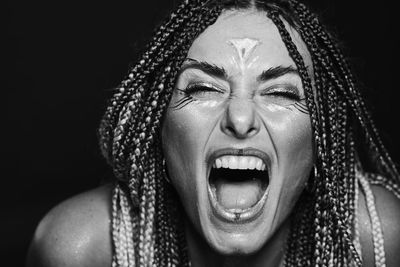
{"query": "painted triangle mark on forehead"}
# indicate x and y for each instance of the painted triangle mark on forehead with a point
(244, 47)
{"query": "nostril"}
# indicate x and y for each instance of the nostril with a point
(244, 132)
(252, 131)
(240, 120)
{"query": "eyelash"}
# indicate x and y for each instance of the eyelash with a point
(291, 94)
(191, 90)
(195, 88)
(287, 94)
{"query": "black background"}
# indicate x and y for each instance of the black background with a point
(62, 60)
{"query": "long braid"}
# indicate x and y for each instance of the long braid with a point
(385, 182)
(370, 128)
(151, 109)
(132, 82)
(367, 125)
(151, 130)
(324, 218)
(150, 97)
(346, 196)
(132, 152)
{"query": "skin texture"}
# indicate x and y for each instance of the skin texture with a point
(239, 111)
(59, 238)
(77, 231)
(388, 208)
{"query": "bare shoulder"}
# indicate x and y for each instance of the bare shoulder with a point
(75, 233)
(388, 209)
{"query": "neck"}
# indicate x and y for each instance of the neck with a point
(271, 254)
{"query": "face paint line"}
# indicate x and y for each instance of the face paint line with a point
(244, 47)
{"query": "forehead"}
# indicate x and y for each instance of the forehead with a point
(245, 32)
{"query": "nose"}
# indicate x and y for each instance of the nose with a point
(240, 119)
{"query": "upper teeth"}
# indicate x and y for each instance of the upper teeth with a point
(239, 162)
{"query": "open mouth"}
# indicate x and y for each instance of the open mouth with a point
(238, 186)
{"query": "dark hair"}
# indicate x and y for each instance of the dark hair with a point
(145, 206)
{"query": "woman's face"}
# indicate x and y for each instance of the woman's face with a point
(237, 135)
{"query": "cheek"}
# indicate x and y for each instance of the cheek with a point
(297, 141)
(292, 138)
(177, 147)
(184, 135)
(298, 160)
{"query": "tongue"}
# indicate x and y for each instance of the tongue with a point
(238, 194)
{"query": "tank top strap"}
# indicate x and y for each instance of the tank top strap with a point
(377, 233)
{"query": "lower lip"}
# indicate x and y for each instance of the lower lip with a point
(235, 215)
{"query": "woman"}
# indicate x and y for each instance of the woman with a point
(238, 139)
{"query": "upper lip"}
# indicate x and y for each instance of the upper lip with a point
(248, 151)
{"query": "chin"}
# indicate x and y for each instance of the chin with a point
(237, 238)
(237, 244)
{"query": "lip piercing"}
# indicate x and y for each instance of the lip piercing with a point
(237, 216)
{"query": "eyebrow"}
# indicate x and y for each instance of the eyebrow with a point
(220, 72)
(206, 67)
(276, 72)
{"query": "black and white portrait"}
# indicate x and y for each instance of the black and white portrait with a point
(201, 133)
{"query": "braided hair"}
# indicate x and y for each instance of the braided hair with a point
(146, 214)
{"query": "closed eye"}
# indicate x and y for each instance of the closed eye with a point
(202, 90)
(285, 94)
(285, 91)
